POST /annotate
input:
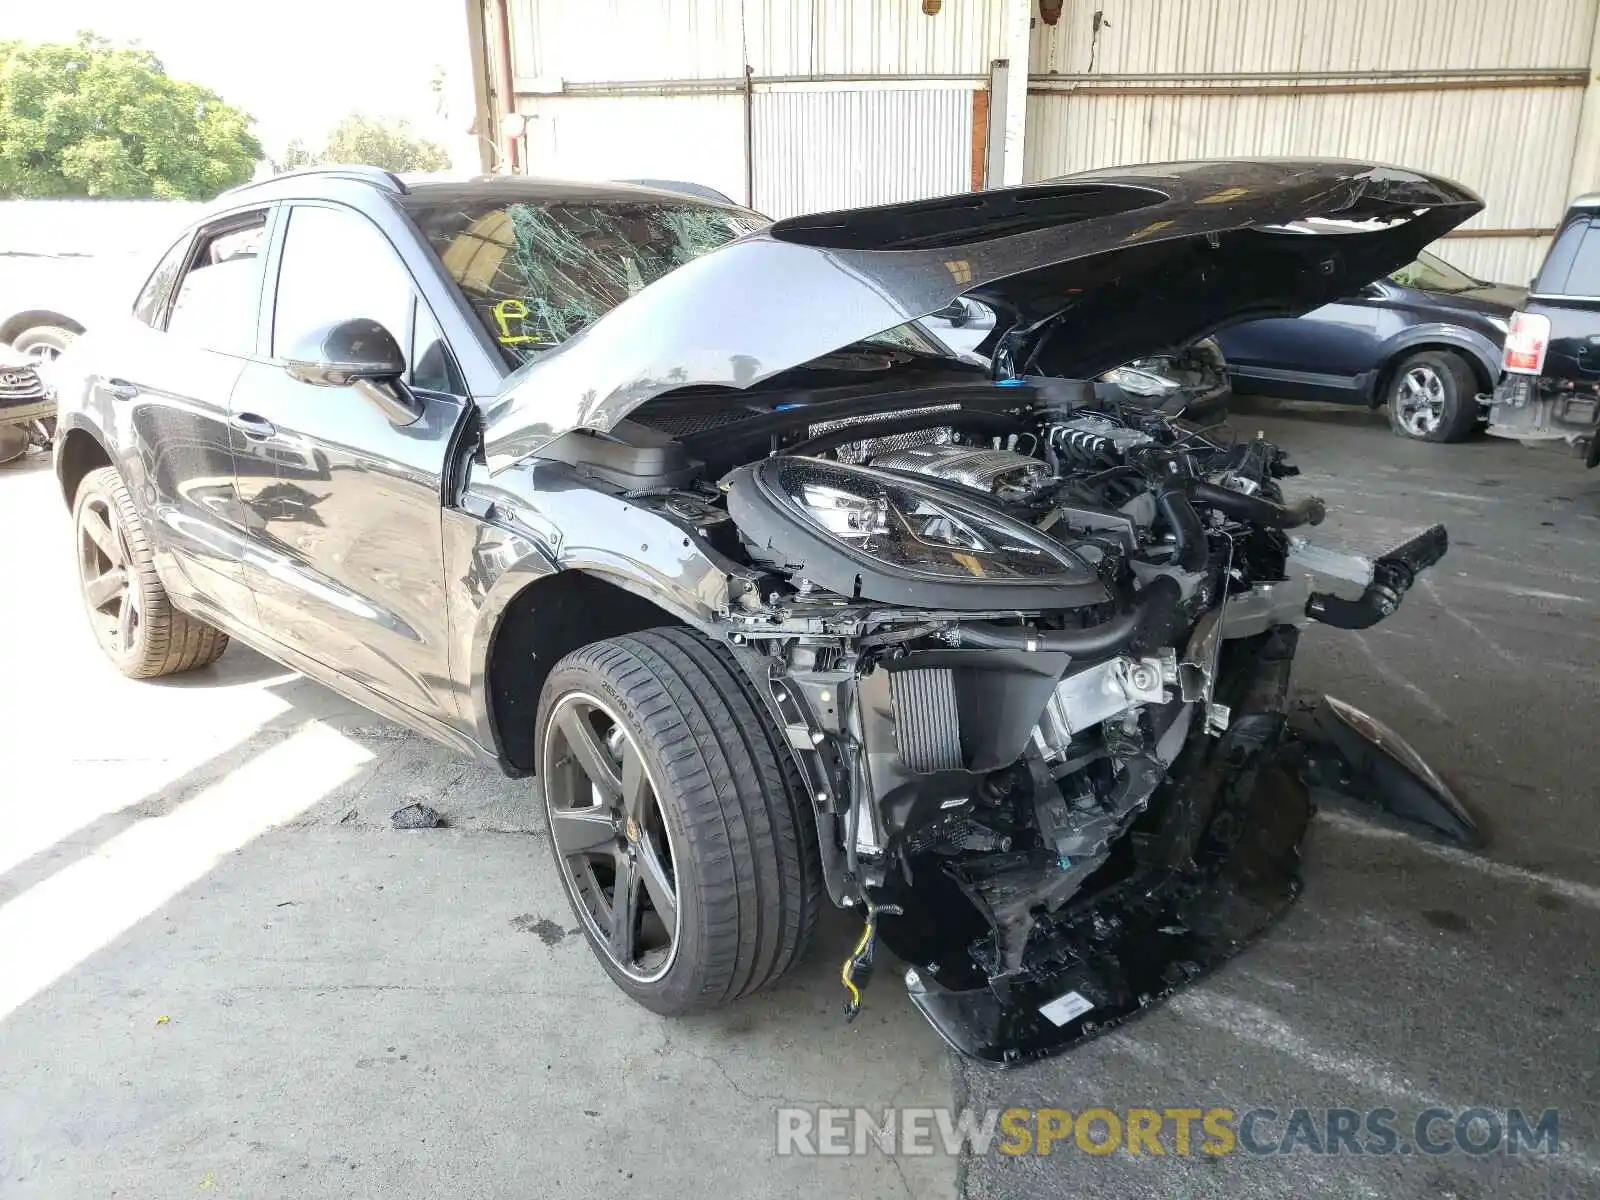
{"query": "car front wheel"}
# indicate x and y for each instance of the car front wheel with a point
(679, 829)
(132, 618)
(1433, 396)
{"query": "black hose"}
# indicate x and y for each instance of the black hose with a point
(1191, 552)
(1257, 510)
(1154, 606)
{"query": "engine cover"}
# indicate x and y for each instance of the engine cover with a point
(992, 471)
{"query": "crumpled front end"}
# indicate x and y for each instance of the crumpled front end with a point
(1039, 698)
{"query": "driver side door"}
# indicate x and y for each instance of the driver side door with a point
(343, 503)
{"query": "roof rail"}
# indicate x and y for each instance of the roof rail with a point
(377, 176)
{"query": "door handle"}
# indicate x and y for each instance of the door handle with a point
(121, 389)
(256, 428)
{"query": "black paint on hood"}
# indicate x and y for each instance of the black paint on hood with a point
(1084, 273)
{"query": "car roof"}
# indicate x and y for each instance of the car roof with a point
(1588, 200)
(444, 188)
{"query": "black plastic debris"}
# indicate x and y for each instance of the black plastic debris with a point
(417, 816)
(1354, 754)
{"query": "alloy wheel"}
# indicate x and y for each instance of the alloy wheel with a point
(1420, 397)
(109, 589)
(612, 841)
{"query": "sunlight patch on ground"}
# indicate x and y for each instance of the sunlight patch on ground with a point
(54, 926)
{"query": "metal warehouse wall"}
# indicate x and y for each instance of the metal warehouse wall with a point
(846, 102)
(1488, 92)
(800, 105)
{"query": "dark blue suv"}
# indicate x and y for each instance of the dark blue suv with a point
(1424, 342)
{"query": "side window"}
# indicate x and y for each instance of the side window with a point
(152, 301)
(432, 367)
(337, 267)
(219, 298)
(1559, 276)
(1584, 279)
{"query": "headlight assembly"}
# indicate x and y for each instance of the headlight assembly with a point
(883, 536)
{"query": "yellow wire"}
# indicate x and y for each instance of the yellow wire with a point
(845, 972)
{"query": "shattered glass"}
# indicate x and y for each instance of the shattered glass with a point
(535, 274)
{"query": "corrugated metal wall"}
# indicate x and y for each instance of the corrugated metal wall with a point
(1487, 92)
(697, 138)
(1302, 37)
(850, 101)
(839, 148)
(593, 41)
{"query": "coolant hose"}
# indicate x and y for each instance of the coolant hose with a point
(1154, 606)
(1257, 510)
(1190, 550)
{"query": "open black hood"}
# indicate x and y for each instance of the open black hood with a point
(1084, 273)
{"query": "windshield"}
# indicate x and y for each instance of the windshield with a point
(535, 273)
(1430, 274)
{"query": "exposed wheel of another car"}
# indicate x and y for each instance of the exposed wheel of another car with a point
(1433, 396)
(679, 828)
(132, 617)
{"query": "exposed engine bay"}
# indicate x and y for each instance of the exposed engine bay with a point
(1027, 638)
(1030, 649)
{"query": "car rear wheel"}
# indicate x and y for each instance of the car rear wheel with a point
(1433, 397)
(680, 832)
(132, 618)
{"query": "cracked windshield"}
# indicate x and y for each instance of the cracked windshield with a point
(535, 274)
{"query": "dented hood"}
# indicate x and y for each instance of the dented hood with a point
(1084, 273)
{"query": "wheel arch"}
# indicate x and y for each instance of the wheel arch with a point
(542, 621)
(1482, 355)
(31, 318)
(79, 450)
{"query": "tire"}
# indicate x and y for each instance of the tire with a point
(1433, 397)
(724, 824)
(152, 638)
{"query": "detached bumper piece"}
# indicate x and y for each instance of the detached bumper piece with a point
(1213, 863)
(1356, 755)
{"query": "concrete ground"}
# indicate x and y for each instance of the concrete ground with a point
(221, 970)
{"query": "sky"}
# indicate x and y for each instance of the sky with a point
(297, 66)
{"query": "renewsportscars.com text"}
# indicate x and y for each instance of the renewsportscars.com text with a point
(1179, 1131)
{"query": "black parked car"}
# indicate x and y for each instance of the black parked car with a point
(1550, 388)
(1423, 342)
(634, 491)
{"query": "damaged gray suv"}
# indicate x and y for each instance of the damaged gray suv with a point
(677, 509)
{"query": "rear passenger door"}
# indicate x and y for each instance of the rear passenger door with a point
(344, 504)
(169, 383)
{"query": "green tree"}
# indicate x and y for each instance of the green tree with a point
(93, 119)
(386, 144)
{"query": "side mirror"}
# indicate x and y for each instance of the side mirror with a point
(344, 352)
(357, 353)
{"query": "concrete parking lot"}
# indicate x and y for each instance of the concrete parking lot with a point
(221, 969)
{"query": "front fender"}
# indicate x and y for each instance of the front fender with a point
(535, 521)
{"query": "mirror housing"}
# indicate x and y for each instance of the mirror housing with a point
(357, 353)
(344, 352)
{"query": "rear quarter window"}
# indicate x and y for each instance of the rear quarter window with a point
(1572, 267)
